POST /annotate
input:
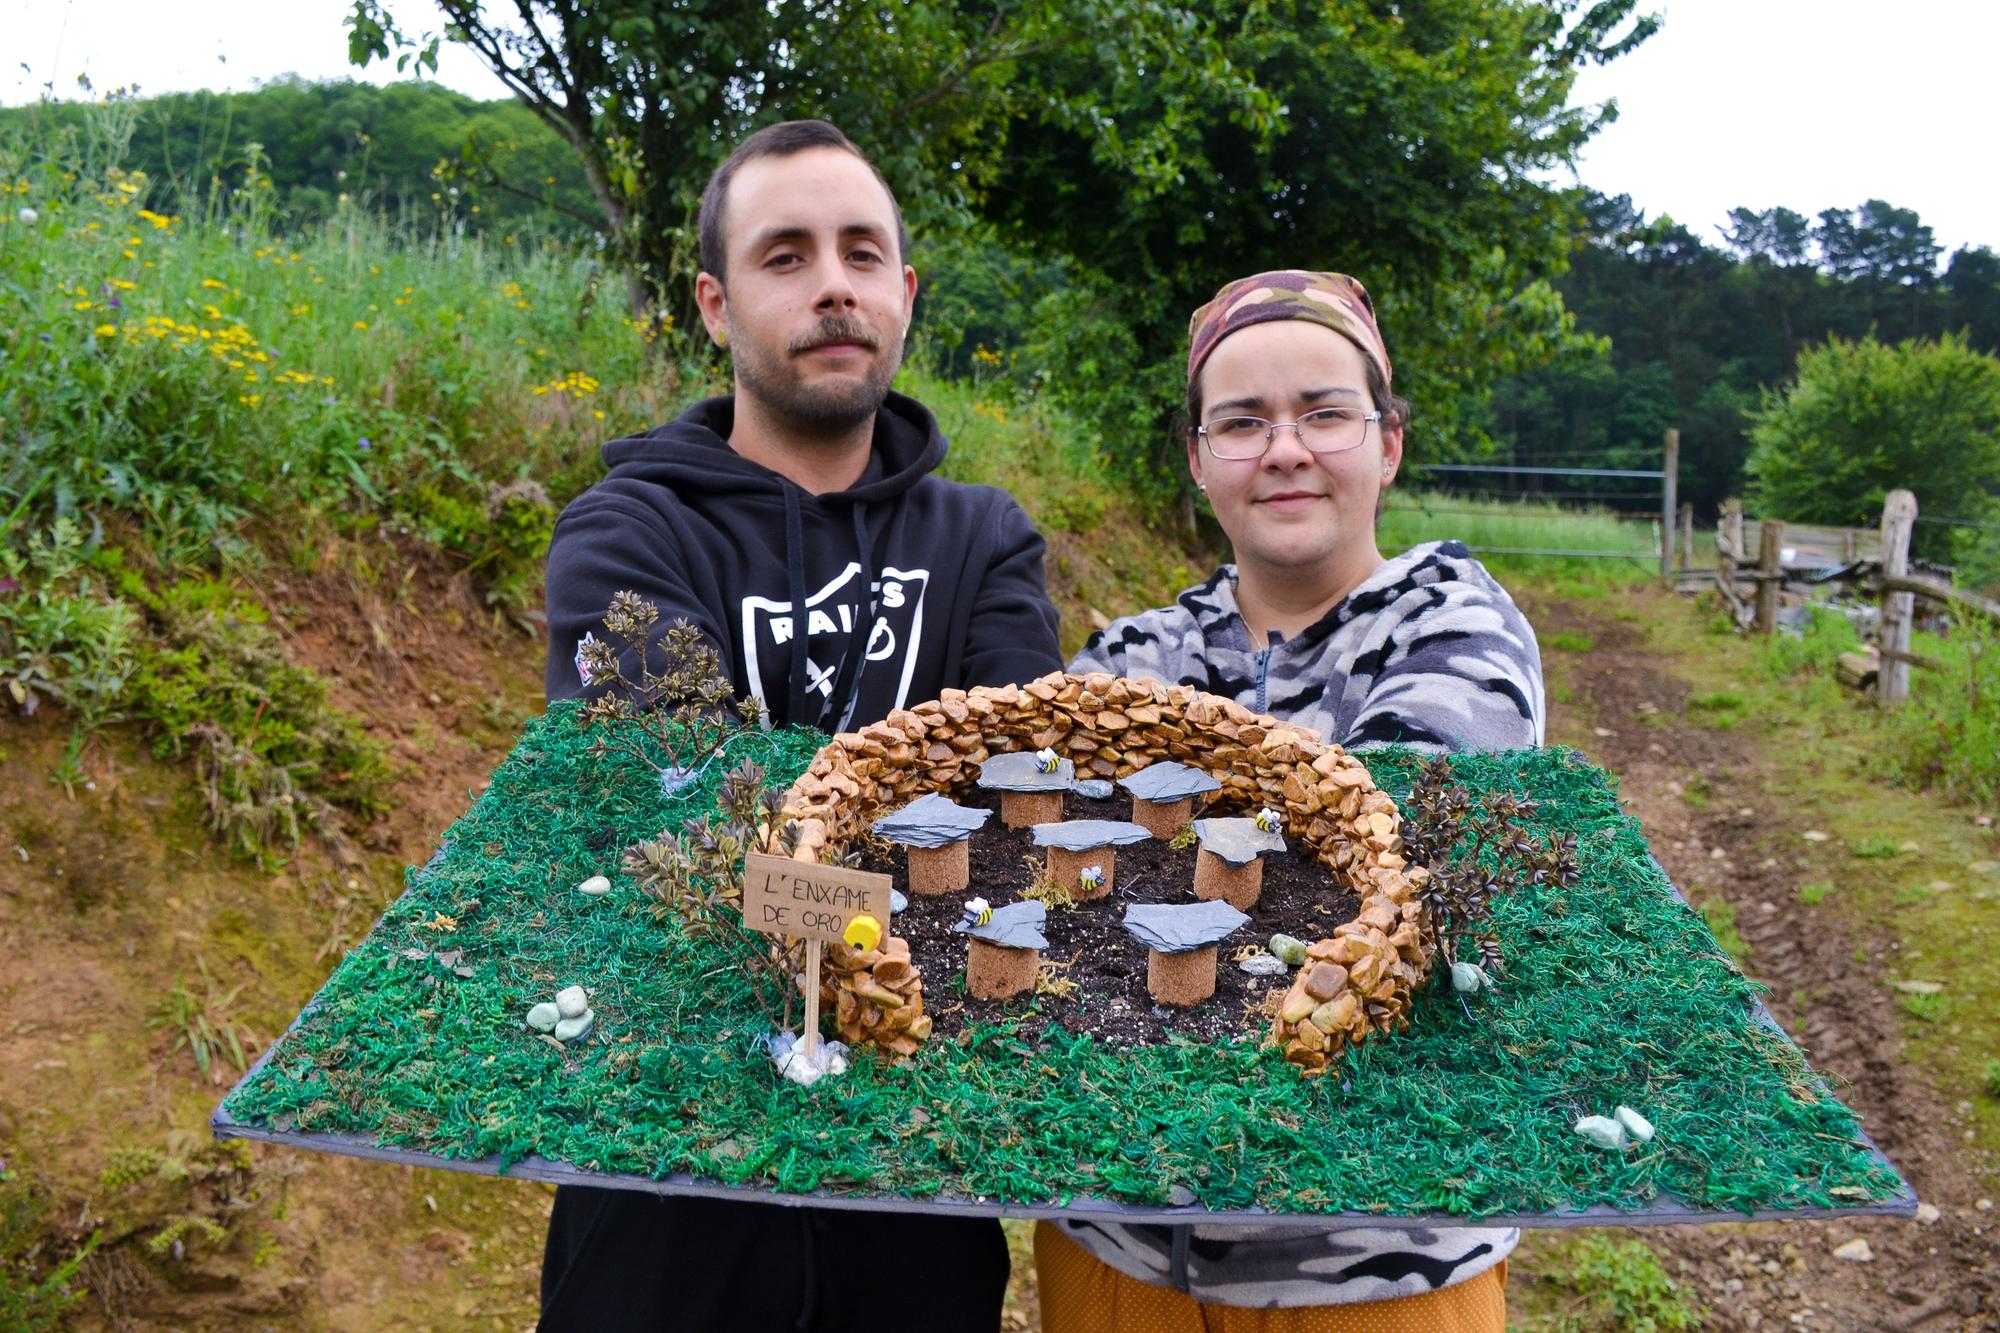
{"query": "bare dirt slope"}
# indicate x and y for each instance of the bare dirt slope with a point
(1742, 841)
(114, 901)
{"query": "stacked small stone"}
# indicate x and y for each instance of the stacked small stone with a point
(877, 995)
(1109, 726)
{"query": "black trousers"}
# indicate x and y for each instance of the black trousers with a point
(628, 1259)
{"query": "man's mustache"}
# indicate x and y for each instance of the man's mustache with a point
(835, 329)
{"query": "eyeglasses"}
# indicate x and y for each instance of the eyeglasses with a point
(1331, 430)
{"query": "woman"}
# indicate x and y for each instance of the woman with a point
(1293, 436)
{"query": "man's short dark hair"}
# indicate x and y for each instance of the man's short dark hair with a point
(781, 140)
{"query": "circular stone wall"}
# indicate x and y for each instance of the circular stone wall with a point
(1356, 981)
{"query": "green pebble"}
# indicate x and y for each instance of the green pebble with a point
(1291, 950)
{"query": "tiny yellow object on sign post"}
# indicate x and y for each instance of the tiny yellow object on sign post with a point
(817, 903)
(863, 932)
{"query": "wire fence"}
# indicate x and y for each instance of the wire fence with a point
(1560, 512)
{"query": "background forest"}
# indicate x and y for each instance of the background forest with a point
(1669, 330)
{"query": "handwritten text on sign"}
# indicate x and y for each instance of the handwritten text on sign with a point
(808, 901)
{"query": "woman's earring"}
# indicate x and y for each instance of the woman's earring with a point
(1201, 486)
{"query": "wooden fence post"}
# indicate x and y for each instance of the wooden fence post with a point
(1770, 575)
(1669, 501)
(1899, 517)
(1850, 543)
(1687, 537)
(1728, 547)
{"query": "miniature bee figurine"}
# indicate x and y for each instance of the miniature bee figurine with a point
(1046, 761)
(1269, 820)
(977, 912)
(864, 932)
(1091, 879)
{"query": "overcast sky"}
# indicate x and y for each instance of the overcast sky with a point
(1808, 104)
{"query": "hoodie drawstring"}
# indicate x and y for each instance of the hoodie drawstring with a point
(795, 574)
(846, 691)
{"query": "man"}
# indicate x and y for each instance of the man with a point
(796, 523)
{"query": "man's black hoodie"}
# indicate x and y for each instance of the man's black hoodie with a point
(952, 573)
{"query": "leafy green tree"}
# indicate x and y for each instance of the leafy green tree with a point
(653, 94)
(1410, 154)
(1865, 418)
(1973, 283)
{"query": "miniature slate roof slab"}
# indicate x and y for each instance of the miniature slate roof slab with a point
(1017, 925)
(1018, 772)
(1617, 994)
(1167, 781)
(1085, 835)
(1237, 840)
(932, 821)
(1179, 927)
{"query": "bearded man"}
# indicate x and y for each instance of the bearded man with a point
(797, 524)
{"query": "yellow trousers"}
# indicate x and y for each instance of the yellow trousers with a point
(1081, 1294)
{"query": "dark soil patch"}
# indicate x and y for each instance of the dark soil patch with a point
(1099, 971)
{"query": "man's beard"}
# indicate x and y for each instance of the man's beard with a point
(825, 409)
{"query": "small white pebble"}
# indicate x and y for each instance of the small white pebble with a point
(1602, 1132)
(1928, 1213)
(596, 886)
(1635, 1124)
(1855, 1251)
(1984, 1205)
(571, 1001)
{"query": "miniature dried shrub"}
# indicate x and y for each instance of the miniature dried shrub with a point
(1043, 886)
(1477, 850)
(696, 878)
(685, 711)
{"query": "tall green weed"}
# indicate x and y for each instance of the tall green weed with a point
(1947, 734)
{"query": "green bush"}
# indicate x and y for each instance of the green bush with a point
(1947, 735)
(274, 756)
(1622, 1287)
(62, 639)
(1865, 418)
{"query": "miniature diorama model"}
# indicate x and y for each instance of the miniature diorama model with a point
(1181, 940)
(1004, 950)
(1230, 865)
(938, 831)
(1031, 786)
(1163, 795)
(1083, 853)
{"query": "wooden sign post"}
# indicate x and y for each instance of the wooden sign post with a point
(816, 903)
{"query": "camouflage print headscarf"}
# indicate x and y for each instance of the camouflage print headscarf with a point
(1333, 299)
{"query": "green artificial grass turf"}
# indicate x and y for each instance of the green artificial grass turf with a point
(1615, 993)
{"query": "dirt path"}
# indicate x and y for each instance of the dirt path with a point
(1630, 716)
